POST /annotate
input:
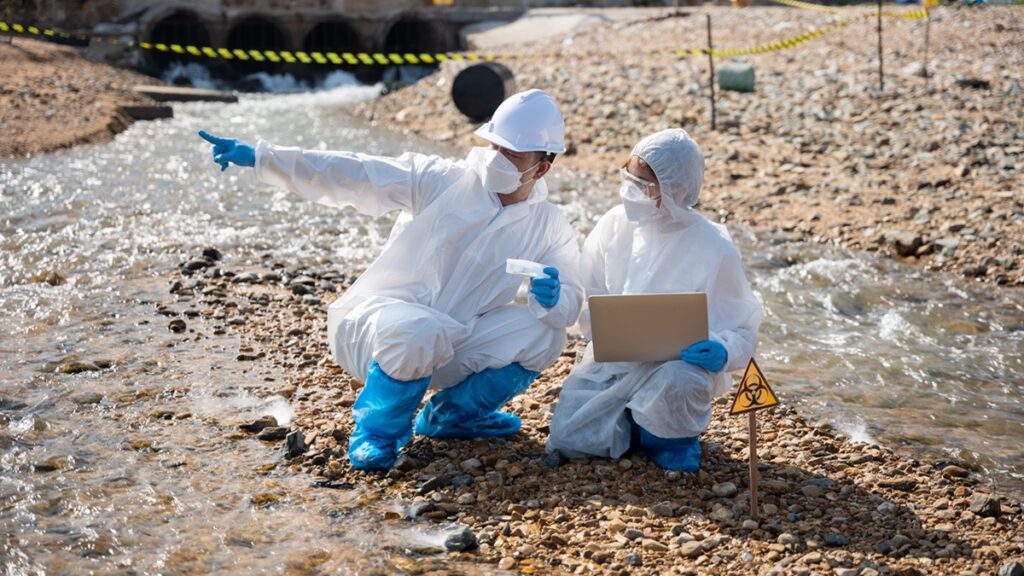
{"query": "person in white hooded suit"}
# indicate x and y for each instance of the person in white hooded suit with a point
(436, 308)
(656, 242)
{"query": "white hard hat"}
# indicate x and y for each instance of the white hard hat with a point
(526, 122)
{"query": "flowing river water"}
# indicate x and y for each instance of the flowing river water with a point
(92, 479)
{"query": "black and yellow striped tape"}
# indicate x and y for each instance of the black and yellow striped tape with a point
(390, 58)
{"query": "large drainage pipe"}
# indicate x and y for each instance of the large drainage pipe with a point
(257, 33)
(337, 36)
(412, 36)
(181, 27)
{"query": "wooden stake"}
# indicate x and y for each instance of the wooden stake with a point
(927, 36)
(881, 76)
(711, 64)
(753, 464)
(7, 18)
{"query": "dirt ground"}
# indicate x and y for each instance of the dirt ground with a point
(51, 97)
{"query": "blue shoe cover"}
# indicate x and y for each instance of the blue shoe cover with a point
(681, 454)
(470, 408)
(383, 419)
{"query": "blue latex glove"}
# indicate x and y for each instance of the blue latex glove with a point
(546, 290)
(707, 354)
(229, 150)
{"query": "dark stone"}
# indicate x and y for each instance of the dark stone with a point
(273, 434)
(836, 540)
(460, 541)
(212, 254)
(634, 560)
(1011, 569)
(554, 459)
(462, 480)
(259, 423)
(820, 482)
(6, 404)
(974, 83)
(432, 484)
(985, 505)
(295, 444)
(333, 484)
(246, 357)
(976, 271)
(196, 264)
(302, 289)
(419, 508)
(177, 326)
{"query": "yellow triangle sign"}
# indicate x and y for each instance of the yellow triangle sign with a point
(754, 392)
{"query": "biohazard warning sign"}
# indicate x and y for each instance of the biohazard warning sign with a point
(754, 392)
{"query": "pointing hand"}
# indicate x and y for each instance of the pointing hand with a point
(229, 150)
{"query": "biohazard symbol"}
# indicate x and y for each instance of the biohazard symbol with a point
(754, 392)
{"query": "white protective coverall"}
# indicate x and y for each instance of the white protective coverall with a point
(437, 301)
(680, 251)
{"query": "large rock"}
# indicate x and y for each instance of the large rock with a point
(460, 541)
(985, 505)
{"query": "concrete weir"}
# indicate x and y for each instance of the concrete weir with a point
(403, 26)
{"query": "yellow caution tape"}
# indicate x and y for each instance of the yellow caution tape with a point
(386, 59)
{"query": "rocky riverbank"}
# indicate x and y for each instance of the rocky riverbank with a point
(927, 173)
(52, 97)
(828, 505)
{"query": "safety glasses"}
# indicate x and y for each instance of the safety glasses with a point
(649, 188)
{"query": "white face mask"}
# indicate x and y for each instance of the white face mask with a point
(640, 208)
(498, 173)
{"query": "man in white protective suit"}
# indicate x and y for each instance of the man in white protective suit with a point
(656, 242)
(436, 308)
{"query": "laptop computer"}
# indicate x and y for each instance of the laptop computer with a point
(646, 327)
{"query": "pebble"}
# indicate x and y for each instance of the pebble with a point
(460, 541)
(177, 325)
(78, 366)
(985, 505)
(419, 508)
(1013, 568)
(468, 498)
(662, 509)
(87, 398)
(52, 464)
(432, 483)
(266, 421)
(295, 444)
(750, 524)
(725, 490)
(691, 549)
(836, 540)
(273, 434)
(635, 560)
(653, 546)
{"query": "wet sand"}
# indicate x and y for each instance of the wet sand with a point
(928, 175)
(828, 505)
(54, 98)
